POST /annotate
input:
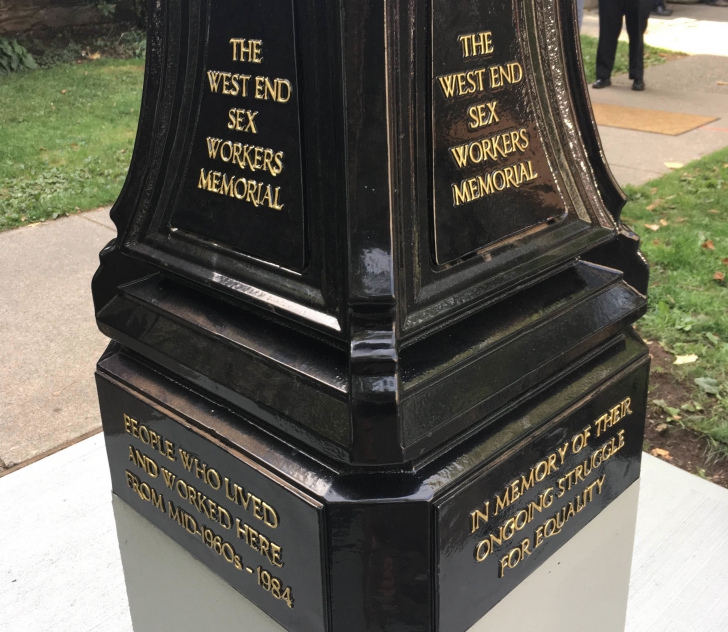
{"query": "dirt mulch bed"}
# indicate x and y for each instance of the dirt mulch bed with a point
(668, 441)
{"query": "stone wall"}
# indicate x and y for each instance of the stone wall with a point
(26, 15)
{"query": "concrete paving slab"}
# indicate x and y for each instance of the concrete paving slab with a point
(637, 157)
(679, 577)
(685, 76)
(61, 568)
(99, 216)
(49, 342)
(657, 97)
(686, 85)
(632, 175)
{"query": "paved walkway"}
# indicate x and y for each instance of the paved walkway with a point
(49, 342)
(61, 570)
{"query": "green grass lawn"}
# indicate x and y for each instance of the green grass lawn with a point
(66, 135)
(688, 312)
(653, 57)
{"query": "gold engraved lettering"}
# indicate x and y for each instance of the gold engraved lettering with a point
(249, 157)
(482, 115)
(478, 187)
(247, 50)
(274, 586)
(238, 124)
(508, 74)
(145, 491)
(600, 456)
(490, 148)
(477, 516)
(257, 193)
(144, 462)
(278, 90)
(147, 436)
(476, 44)
(463, 83)
(614, 416)
(260, 543)
(552, 527)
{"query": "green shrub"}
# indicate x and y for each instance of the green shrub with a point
(14, 57)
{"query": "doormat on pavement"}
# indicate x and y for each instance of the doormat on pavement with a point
(655, 121)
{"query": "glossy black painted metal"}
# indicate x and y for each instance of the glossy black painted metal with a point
(392, 550)
(340, 294)
(375, 359)
(248, 130)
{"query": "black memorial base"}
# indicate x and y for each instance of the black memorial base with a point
(319, 546)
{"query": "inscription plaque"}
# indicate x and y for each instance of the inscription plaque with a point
(495, 530)
(243, 183)
(491, 176)
(258, 533)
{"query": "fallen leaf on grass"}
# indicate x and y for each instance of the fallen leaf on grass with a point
(714, 211)
(654, 205)
(719, 276)
(708, 385)
(708, 245)
(663, 454)
(692, 407)
(674, 413)
(661, 428)
(656, 242)
(654, 227)
(685, 359)
(664, 222)
(681, 219)
(94, 56)
(74, 146)
(653, 191)
(674, 165)
(64, 91)
(725, 261)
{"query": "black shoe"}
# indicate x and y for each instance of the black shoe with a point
(638, 85)
(662, 10)
(602, 83)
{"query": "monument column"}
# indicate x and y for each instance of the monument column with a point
(371, 301)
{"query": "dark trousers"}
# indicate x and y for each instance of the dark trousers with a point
(636, 14)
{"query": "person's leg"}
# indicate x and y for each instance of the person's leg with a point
(660, 8)
(610, 25)
(637, 12)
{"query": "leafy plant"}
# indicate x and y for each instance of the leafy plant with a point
(14, 57)
(133, 44)
(105, 8)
